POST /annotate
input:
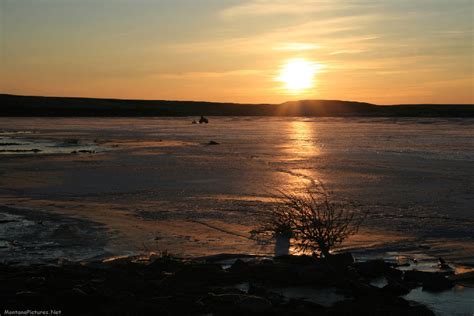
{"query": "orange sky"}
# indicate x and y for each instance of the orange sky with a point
(384, 52)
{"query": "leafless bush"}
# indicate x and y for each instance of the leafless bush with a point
(312, 219)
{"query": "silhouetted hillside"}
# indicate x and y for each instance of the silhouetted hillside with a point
(12, 105)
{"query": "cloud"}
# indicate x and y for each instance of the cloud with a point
(306, 36)
(347, 51)
(272, 7)
(296, 46)
(210, 74)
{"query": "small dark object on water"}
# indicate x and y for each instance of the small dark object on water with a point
(83, 151)
(9, 144)
(424, 247)
(72, 141)
(443, 265)
(19, 150)
(213, 143)
(194, 122)
(203, 120)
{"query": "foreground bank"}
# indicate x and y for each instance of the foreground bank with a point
(219, 285)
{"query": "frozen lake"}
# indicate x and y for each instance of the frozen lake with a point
(155, 184)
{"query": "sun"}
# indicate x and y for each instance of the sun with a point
(298, 74)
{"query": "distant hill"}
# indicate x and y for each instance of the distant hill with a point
(13, 105)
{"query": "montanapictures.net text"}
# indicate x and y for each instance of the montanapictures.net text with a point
(31, 312)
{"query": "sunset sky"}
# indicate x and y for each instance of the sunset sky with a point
(385, 52)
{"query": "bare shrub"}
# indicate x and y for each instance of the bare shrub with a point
(312, 219)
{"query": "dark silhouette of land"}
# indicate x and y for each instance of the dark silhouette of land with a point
(14, 105)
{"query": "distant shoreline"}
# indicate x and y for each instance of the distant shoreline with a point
(37, 106)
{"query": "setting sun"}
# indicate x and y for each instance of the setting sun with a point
(298, 74)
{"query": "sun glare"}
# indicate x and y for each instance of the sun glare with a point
(298, 74)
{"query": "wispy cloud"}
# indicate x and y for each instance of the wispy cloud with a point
(295, 46)
(299, 37)
(347, 51)
(210, 74)
(272, 7)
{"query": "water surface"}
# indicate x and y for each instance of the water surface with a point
(156, 183)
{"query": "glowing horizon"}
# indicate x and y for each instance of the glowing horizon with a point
(241, 51)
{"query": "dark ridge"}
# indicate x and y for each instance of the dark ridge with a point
(14, 105)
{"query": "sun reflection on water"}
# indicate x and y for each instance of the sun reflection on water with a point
(300, 146)
(302, 139)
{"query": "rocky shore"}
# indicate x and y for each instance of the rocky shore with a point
(215, 285)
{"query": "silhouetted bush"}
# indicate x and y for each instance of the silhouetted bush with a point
(312, 219)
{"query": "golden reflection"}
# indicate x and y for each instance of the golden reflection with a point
(299, 148)
(302, 142)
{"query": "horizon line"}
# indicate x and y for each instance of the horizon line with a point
(224, 102)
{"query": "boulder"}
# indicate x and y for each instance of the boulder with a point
(396, 287)
(312, 274)
(376, 268)
(431, 281)
(273, 272)
(253, 304)
(340, 260)
(296, 260)
(466, 278)
(240, 270)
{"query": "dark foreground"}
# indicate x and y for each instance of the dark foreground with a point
(164, 285)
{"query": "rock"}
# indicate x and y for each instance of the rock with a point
(437, 284)
(396, 287)
(78, 291)
(340, 260)
(376, 268)
(273, 272)
(361, 289)
(466, 278)
(35, 282)
(297, 260)
(196, 275)
(431, 281)
(239, 266)
(254, 304)
(203, 120)
(312, 274)
(261, 291)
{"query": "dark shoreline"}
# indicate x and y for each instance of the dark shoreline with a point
(167, 285)
(37, 106)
